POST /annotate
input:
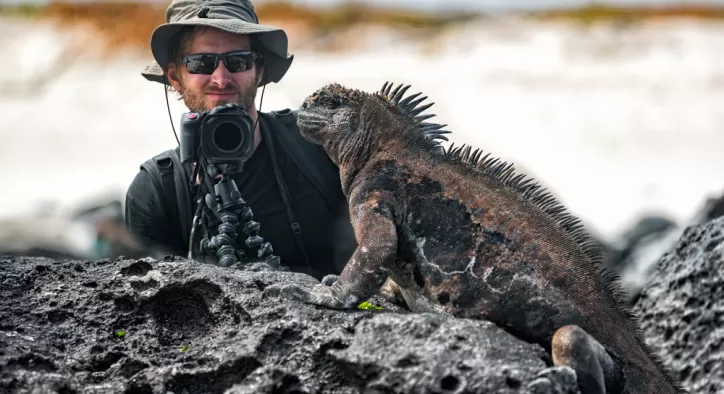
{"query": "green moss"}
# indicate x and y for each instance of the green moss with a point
(367, 306)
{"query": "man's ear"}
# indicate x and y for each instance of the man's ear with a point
(173, 77)
(260, 77)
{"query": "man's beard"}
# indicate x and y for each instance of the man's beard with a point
(196, 101)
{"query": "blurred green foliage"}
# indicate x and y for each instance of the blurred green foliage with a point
(21, 10)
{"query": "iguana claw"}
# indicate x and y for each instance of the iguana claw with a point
(329, 280)
(319, 295)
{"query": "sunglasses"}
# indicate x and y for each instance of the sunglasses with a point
(206, 63)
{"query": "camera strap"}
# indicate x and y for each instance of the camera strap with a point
(296, 228)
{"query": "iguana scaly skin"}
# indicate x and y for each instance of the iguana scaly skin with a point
(465, 236)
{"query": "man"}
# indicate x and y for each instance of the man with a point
(214, 52)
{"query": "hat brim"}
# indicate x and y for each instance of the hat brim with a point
(273, 39)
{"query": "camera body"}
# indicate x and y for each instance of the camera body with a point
(224, 135)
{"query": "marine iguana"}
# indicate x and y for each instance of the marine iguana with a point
(463, 235)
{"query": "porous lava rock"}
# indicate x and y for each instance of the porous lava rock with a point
(176, 326)
(682, 308)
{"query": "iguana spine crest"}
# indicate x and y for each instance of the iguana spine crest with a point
(431, 131)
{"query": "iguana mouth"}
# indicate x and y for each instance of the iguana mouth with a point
(311, 121)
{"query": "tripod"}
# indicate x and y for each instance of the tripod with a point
(231, 210)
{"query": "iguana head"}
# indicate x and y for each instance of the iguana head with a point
(349, 122)
(330, 113)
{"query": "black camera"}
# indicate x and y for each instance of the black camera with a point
(224, 135)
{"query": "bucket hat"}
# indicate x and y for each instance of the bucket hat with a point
(232, 16)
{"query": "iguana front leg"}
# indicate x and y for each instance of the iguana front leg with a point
(369, 266)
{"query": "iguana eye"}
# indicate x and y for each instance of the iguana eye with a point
(331, 101)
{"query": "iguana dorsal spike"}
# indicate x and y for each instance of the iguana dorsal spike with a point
(422, 118)
(410, 106)
(517, 179)
(453, 149)
(476, 156)
(418, 110)
(394, 93)
(430, 127)
(408, 99)
(433, 126)
(483, 159)
(465, 154)
(399, 95)
(386, 88)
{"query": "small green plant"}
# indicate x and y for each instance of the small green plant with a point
(183, 348)
(367, 306)
(120, 333)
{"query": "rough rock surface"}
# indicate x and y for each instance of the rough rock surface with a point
(682, 308)
(147, 326)
(635, 253)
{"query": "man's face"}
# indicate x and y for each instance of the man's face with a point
(204, 92)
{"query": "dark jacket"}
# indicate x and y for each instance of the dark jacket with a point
(160, 201)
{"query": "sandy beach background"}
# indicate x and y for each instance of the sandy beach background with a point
(619, 113)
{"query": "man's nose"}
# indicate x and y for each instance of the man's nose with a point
(221, 75)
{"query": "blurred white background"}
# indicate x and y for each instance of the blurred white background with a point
(616, 120)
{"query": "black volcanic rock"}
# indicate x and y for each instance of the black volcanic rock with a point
(682, 308)
(175, 326)
(634, 254)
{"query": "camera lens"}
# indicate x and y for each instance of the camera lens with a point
(227, 137)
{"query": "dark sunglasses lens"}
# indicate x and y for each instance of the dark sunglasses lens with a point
(239, 62)
(201, 64)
